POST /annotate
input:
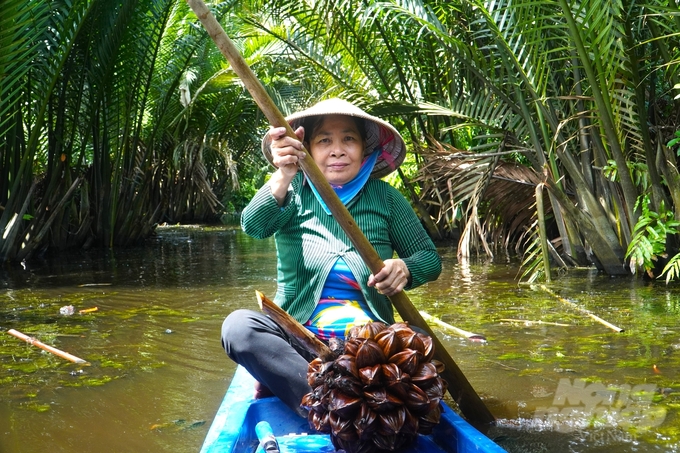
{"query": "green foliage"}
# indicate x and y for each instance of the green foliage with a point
(513, 78)
(672, 269)
(674, 141)
(649, 239)
(638, 170)
(533, 265)
(127, 115)
(532, 259)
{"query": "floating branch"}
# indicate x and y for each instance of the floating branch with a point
(581, 309)
(526, 321)
(463, 333)
(55, 351)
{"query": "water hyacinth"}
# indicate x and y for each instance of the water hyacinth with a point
(381, 390)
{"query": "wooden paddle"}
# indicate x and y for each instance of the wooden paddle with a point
(462, 392)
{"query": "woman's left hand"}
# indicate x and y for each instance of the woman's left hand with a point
(392, 278)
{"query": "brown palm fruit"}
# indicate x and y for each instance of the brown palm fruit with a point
(320, 421)
(342, 428)
(396, 381)
(371, 329)
(438, 365)
(384, 442)
(435, 388)
(352, 446)
(400, 326)
(408, 360)
(354, 332)
(346, 364)
(380, 400)
(366, 423)
(371, 375)
(315, 365)
(403, 331)
(369, 354)
(414, 342)
(308, 401)
(410, 427)
(417, 400)
(352, 345)
(344, 405)
(317, 401)
(425, 373)
(428, 421)
(393, 421)
(428, 347)
(389, 342)
(349, 385)
(316, 372)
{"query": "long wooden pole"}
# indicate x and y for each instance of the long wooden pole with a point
(55, 351)
(462, 392)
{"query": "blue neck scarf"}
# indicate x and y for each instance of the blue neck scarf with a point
(346, 192)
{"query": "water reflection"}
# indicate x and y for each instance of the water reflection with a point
(158, 373)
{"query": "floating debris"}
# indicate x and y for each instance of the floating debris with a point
(177, 425)
(67, 310)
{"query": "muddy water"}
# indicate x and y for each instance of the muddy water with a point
(157, 372)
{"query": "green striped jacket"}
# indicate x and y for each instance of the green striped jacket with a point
(309, 241)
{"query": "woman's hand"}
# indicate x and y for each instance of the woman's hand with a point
(392, 278)
(286, 153)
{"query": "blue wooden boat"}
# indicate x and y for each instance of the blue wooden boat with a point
(234, 428)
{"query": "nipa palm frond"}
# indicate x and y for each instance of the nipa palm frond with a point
(489, 199)
(532, 261)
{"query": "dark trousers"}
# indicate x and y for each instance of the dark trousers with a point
(274, 358)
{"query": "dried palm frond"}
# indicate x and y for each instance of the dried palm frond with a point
(488, 200)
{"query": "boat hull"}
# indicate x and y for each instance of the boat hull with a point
(233, 429)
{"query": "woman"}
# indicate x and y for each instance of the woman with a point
(322, 281)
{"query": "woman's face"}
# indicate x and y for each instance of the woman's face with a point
(337, 148)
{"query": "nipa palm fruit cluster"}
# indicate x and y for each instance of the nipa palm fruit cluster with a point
(380, 392)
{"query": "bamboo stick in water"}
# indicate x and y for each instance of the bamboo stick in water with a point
(41, 345)
(581, 309)
(463, 333)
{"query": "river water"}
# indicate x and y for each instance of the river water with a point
(157, 373)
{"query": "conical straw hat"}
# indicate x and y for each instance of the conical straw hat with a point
(380, 135)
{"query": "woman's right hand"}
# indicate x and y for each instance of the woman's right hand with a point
(286, 151)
